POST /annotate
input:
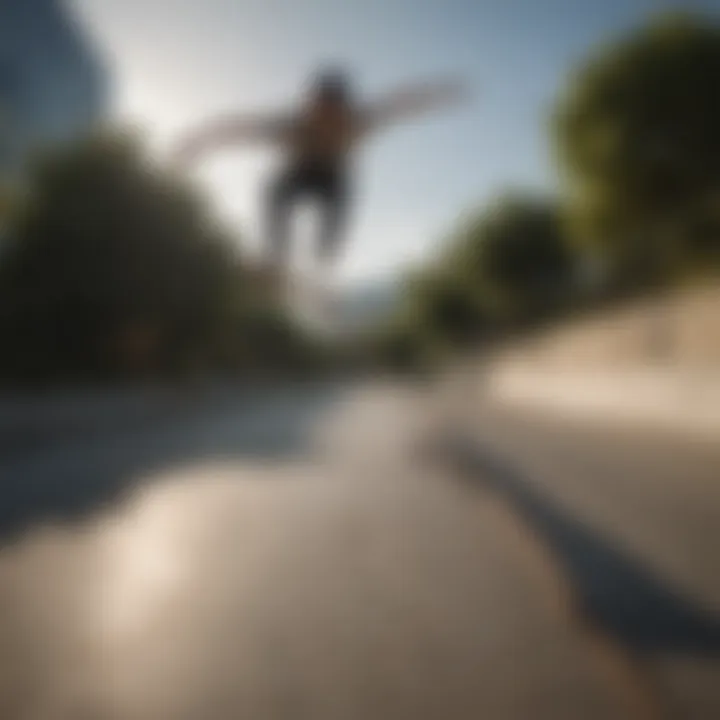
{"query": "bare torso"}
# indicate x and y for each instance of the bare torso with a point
(324, 138)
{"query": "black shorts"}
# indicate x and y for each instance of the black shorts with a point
(324, 184)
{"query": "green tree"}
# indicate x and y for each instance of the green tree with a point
(445, 308)
(513, 260)
(113, 266)
(504, 269)
(638, 144)
(403, 345)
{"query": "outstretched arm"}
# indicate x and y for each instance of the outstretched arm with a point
(406, 103)
(230, 131)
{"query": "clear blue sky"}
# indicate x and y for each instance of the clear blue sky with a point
(177, 62)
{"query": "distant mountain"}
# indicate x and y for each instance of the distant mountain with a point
(368, 304)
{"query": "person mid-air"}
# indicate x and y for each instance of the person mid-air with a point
(318, 141)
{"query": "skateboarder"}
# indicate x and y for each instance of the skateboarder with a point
(318, 140)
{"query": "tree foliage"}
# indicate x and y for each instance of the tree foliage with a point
(638, 143)
(505, 268)
(114, 267)
(515, 255)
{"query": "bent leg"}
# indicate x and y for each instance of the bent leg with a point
(335, 206)
(278, 204)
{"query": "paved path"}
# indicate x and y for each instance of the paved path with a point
(300, 556)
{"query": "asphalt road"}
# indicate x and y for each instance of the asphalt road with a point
(319, 553)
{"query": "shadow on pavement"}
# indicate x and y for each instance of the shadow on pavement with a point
(613, 591)
(67, 481)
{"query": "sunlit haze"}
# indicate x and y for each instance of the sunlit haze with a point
(179, 62)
